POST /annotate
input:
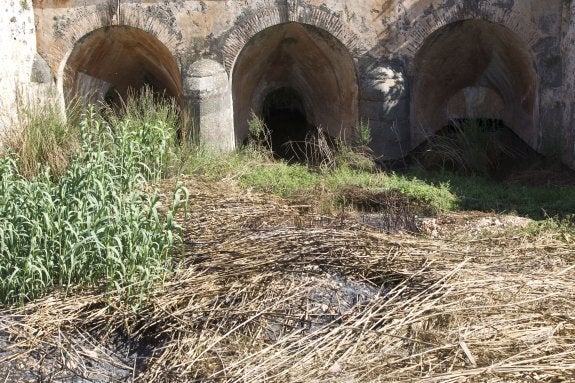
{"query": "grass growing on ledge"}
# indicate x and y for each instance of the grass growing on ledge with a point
(253, 169)
(281, 179)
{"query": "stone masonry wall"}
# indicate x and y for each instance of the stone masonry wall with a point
(383, 37)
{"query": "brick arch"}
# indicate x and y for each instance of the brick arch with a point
(305, 61)
(271, 13)
(109, 62)
(88, 20)
(425, 23)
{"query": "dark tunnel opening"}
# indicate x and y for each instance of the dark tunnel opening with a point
(284, 115)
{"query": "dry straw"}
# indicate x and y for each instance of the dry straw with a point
(267, 293)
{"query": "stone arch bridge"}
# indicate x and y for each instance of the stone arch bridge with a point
(405, 67)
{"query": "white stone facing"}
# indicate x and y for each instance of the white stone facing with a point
(18, 47)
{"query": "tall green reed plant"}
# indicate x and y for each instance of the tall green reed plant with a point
(95, 225)
(154, 123)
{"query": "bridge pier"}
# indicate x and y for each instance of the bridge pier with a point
(208, 102)
(384, 106)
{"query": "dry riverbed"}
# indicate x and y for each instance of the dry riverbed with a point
(269, 290)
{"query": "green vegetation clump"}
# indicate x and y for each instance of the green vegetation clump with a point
(281, 179)
(259, 136)
(484, 194)
(324, 186)
(94, 225)
(471, 146)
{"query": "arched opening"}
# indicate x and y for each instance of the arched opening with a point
(109, 63)
(474, 70)
(295, 77)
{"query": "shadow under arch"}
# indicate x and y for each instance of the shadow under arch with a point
(474, 69)
(308, 67)
(109, 62)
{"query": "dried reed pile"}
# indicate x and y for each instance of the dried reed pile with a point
(266, 292)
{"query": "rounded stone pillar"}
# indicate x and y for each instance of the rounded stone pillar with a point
(208, 97)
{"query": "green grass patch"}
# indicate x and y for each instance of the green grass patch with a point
(296, 180)
(281, 179)
(560, 228)
(439, 195)
(483, 194)
(214, 165)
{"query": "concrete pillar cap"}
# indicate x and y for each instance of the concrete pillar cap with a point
(205, 68)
